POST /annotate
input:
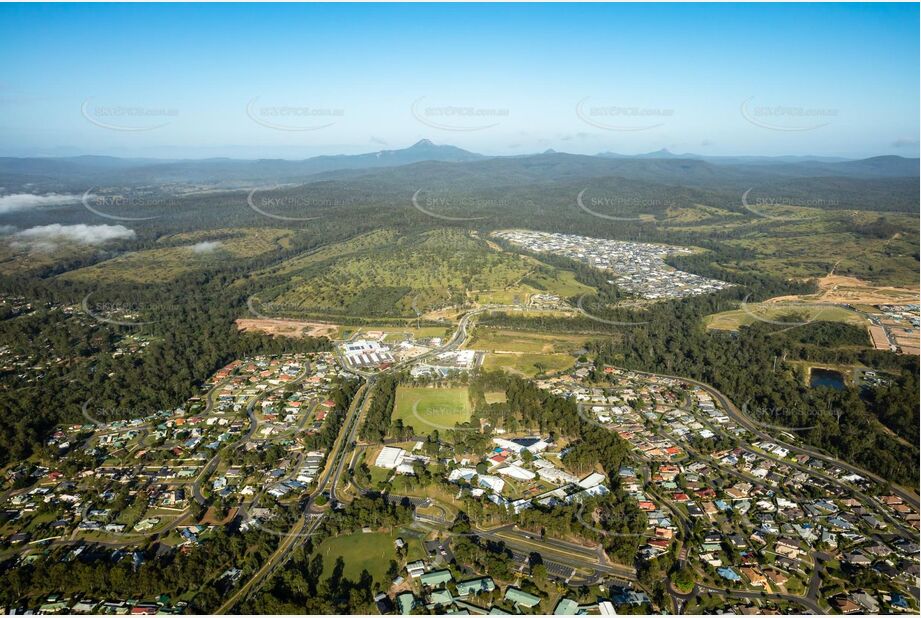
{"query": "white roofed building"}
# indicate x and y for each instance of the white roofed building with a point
(517, 472)
(390, 457)
(591, 480)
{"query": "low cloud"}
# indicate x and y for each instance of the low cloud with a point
(575, 136)
(46, 236)
(905, 143)
(25, 201)
(206, 246)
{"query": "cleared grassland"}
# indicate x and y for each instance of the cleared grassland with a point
(781, 314)
(697, 214)
(495, 397)
(358, 244)
(22, 258)
(397, 333)
(529, 365)
(431, 409)
(527, 353)
(562, 283)
(817, 252)
(504, 340)
(386, 275)
(187, 253)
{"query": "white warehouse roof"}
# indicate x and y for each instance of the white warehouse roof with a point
(390, 457)
(591, 480)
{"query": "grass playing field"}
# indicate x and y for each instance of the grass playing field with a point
(430, 409)
(361, 551)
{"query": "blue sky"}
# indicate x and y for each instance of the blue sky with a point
(299, 80)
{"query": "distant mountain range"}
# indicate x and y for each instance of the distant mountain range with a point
(423, 150)
(429, 164)
(664, 153)
(113, 169)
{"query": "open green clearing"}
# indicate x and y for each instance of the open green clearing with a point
(560, 282)
(431, 409)
(399, 278)
(495, 397)
(353, 246)
(372, 551)
(527, 353)
(504, 340)
(794, 314)
(888, 261)
(17, 258)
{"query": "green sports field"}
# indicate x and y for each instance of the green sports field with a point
(361, 551)
(431, 409)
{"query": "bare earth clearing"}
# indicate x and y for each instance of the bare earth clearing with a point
(288, 328)
(850, 290)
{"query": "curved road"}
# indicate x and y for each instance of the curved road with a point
(253, 426)
(753, 427)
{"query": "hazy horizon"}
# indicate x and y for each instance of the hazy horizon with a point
(239, 153)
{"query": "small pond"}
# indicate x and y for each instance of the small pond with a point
(826, 377)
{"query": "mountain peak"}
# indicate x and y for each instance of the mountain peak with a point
(423, 143)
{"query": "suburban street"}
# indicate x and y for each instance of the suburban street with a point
(563, 558)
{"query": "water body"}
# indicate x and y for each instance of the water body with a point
(826, 377)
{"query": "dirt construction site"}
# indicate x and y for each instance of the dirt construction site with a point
(288, 328)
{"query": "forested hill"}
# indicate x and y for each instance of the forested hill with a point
(878, 183)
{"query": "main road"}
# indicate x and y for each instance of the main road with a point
(556, 550)
(312, 514)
